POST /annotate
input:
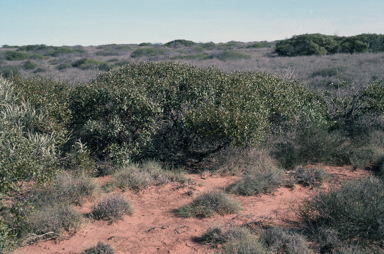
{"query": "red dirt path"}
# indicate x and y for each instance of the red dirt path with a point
(154, 228)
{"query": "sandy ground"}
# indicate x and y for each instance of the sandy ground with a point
(154, 227)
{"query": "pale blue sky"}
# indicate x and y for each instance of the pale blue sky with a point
(96, 22)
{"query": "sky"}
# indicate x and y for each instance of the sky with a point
(98, 22)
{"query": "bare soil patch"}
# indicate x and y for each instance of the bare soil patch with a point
(154, 227)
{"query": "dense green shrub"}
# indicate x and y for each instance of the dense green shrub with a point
(209, 204)
(144, 44)
(26, 153)
(354, 212)
(10, 71)
(173, 112)
(29, 65)
(86, 64)
(16, 56)
(261, 44)
(179, 43)
(209, 45)
(319, 44)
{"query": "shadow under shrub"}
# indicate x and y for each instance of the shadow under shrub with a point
(354, 212)
(111, 208)
(257, 182)
(208, 204)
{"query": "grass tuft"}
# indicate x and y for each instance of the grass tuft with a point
(112, 208)
(208, 204)
(100, 248)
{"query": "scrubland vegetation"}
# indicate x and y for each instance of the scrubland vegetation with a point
(154, 121)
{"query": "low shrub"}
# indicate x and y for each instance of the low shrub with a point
(230, 55)
(244, 242)
(208, 204)
(100, 248)
(63, 66)
(139, 176)
(279, 240)
(112, 208)
(366, 157)
(257, 182)
(308, 176)
(147, 52)
(10, 71)
(144, 44)
(65, 189)
(57, 218)
(179, 43)
(29, 65)
(353, 212)
(107, 53)
(16, 56)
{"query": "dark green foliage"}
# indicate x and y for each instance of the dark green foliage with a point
(209, 45)
(111, 208)
(257, 182)
(100, 248)
(29, 65)
(179, 43)
(86, 64)
(173, 112)
(354, 212)
(209, 204)
(279, 240)
(228, 45)
(144, 44)
(319, 44)
(229, 55)
(147, 52)
(5, 46)
(16, 56)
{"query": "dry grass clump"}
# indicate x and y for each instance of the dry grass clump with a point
(209, 204)
(100, 248)
(140, 176)
(57, 218)
(112, 208)
(257, 181)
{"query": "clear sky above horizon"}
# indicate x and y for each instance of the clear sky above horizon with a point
(97, 22)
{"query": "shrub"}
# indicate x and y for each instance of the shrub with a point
(279, 240)
(209, 45)
(354, 211)
(100, 248)
(16, 56)
(179, 43)
(147, 52)
(328, 72)
(257, 182)
(57, 218)
(112, 208)
(26, 153)
(366, 157)
(65, 189)
(131, 177)
(144, 44)
(28, 65)
(308, 177)
(107, 53)
(243, 242)
(229, 55)
(10, 71)
(63, 66)
(261, 44)
(208, 204)
(141, 176)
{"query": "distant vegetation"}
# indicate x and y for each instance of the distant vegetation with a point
(319, 44)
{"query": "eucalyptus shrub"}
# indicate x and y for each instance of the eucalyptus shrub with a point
(177, 112)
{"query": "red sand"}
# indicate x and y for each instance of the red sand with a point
(154, 228)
